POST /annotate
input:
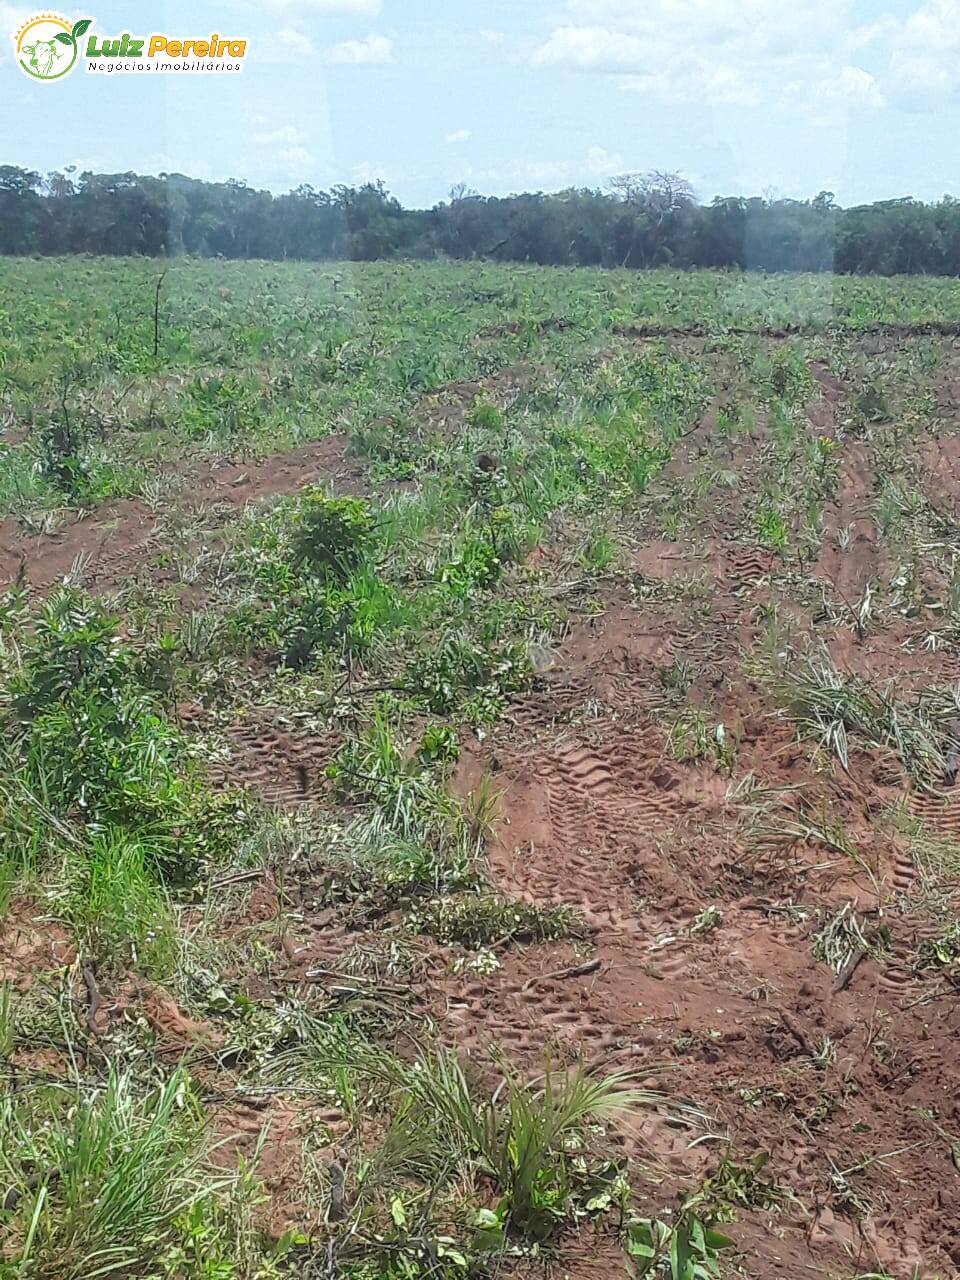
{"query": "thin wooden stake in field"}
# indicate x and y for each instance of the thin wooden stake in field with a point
(156, 317)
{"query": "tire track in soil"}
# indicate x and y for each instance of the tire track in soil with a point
(938, 811)
(850, 568)
(283, 766)
(599, 818)
(582, 817)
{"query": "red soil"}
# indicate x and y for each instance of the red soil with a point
(835, 1082)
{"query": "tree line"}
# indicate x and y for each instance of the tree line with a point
(638, 221)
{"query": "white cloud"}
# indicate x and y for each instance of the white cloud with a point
(457, 136)
(922, 80)
(831, 97)
(754, 27)
(873, 34)
(11, 17)
(368, 8)
(543, 173)
(596, 164)
(368, 172)
(374, 51)
(718, 22)
(285, 136)
(293, 160)
(603, 163)
(491, 36)
(747, 53)
(934, 27)
(851, 86)
(925, 65)
(591, 49)
(689, 79)
(292, 43)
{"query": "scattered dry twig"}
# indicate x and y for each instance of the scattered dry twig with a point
(574, 971)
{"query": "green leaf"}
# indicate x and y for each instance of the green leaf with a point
(398, 1213)
(640, 1250)
(717, 1240)
(697, 1240)
(81, 26)
(64, 38)
(599, 1202)
(455, 1256)
(289, 1240)
(682, 1262)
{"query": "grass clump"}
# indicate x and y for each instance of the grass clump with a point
(115, 1180)
(529, 1140)
(486, 920)
(829, 705)
(378, 768)
(119, 911)
(98, 1187)
(691, 740)
(367, 860)
(71, 453)
(942, 952)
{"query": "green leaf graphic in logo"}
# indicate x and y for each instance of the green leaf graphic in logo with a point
(80, 26)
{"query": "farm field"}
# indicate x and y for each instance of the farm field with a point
(477, 773)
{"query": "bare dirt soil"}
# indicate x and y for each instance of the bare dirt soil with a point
(700, 899)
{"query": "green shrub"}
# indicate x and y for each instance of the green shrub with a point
(685, 1249)
(374, 768)
(771, 529)
(456, 670)
(346, 619)
(111, 762)
(75, 648)
(88, 743)
(483, 415)
(219, 405)
(474, 565)
(331, 536)
(438, 747)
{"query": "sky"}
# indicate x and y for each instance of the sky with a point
(743, 97)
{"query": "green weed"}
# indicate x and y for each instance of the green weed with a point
(686, 1248)
(482, 921)
(99, 1186)
(524, 1138)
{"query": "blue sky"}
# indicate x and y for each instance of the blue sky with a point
(786, 97)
